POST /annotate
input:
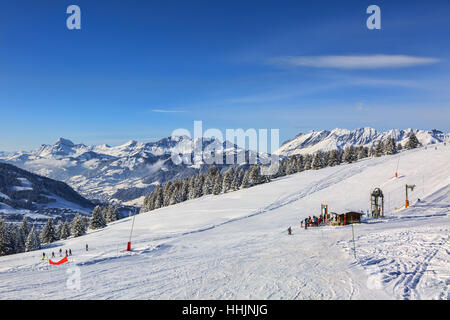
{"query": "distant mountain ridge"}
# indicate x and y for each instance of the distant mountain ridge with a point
(325, 140)
(122, 173)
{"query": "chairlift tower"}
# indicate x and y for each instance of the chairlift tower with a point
(377, 203)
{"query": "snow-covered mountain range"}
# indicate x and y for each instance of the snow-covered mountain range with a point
(126, 173)
(26, 194)
(325, 140)
(123, 173)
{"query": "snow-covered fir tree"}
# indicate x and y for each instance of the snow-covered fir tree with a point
(291, 166)
(236, 183)
(10, 239)
(246, 179)
(159, 198)
(412, 142)
(77, 227)
(399, 147)
(33, 242)
(65, 231)
(299, 163)
(85, 221)
(19, 238)
(217, 188)
(24, 227)
(4, 240)
(97, 219)
(48, 234)
(255, 175)
(333, 158)
(307, 162)
(227, 180)
(379, 149)
(317, 161)
(113, 214)
(362, 152)
(167, 193)
(59, 227)
(209, 182)
(349, 154)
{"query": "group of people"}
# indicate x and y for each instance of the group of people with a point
(314, 221)
(68, 253)
(308, 222)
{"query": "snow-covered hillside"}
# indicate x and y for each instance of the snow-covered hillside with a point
(25, 194)
(122, 173)
(235, 245)
(313, 141)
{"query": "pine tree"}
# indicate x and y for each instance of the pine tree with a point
(227, 180)
(379, 148)
(361, 153)
(299, 163)
(399, 147)
(390, 147)
(59, 227)
(4, 240)
(114, 214)
(307, 162)
(185, 189)
(97, 220)
(255, 175)
(412, 142)
(235, 182)
(48, 233)
(19, 237)
(349, 154)
(371, 152)
(167, 193)
(10, 236)
(217, 188)
(246, 179)
(65, 231)
(291, 166)
(333, 158)
(159, 198)
(85, 221)
(316, 161)
(77, 227)
(32, 243)
(24, 227)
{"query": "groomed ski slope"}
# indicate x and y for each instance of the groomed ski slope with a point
(235, 246)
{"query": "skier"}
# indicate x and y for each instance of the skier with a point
(87, 247)
(301, 224)
(70, 252)
(290, 231)
(43, 255)
(306, 223)
(53, 254)
(67, 254)
(60, 252)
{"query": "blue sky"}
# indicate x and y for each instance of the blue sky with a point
(141, 69)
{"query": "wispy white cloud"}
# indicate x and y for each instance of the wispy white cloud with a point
(353, 61)
(168, 111)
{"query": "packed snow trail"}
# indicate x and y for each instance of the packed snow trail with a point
(235, 246)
